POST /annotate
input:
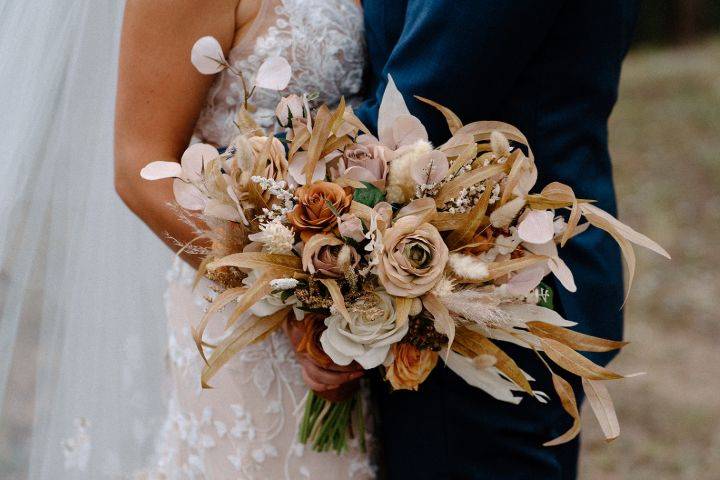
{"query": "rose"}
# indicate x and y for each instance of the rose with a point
(312, 327)
(366, 162)
(366, 334)
(413, 259)
(409, 366)
(328, 256)
(317, 205)
(350, 226)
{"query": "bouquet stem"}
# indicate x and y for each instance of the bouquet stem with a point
(328, 425)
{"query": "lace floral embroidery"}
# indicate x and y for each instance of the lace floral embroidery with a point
(322, 40)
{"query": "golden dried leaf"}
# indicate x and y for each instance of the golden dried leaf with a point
(481, 345)
(259, 260)
(502, 268)
(336, 119)
(567, 399)
(518, 162)
(402, 310)
(452, 119)
(473, 177)
(573, 362)
(254, 293)
(353, 120)
(337, 296)
(465, 156)
(444, 323)
(482, 131)
(243, 336)
(320, 133)
(474, 219)
(300, 136)
(445, 221)
(602, 405)
(574, 340)
(218, 304)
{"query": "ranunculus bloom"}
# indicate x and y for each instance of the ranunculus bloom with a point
(413, 259)
(409, 366)
(367, 335)
(327, 255)
(313, 213)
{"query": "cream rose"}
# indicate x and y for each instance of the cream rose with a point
(367, 335)
(413, 259)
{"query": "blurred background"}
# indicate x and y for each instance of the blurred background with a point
(665, 141)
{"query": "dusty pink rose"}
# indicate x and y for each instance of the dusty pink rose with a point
(366, 162)
(328, 256)
(350, 226)
(413, 259)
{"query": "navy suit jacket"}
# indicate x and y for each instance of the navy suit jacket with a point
(551, 68)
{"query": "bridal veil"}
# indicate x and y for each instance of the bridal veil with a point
(81, 280)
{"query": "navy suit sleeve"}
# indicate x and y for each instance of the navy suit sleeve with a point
(464, 54)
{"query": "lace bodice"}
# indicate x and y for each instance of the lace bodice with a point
(321, 39)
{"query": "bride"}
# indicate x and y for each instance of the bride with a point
(246, 426)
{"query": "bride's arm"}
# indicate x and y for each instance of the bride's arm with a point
(159, 97)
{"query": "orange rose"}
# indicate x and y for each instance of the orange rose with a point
(313, 214)
(410, 366)
(313, 325)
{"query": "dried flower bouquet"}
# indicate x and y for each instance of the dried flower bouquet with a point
(391, 252)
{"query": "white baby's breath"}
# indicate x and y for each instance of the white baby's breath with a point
(275, 237)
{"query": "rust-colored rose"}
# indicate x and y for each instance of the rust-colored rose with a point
(313, 212)
(313, 325)
(410, 366)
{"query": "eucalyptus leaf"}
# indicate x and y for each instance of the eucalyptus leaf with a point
(370, 195)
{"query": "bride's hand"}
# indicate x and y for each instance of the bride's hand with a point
(332, 382)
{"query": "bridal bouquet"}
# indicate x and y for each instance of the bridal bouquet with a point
(389, 251)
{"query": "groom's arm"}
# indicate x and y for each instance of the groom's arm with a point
(464, 54)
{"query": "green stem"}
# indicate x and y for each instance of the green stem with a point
(328, 425)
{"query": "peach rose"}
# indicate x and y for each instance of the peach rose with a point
(413, 259)
(409, 366)
(313, 213)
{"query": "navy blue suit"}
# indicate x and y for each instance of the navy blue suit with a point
(551, 68)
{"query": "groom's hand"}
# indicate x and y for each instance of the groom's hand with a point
(332, 382)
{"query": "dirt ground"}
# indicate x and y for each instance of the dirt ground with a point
(665, 140)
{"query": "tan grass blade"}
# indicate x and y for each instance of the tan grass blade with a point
(320, 133)
(573, 362)
(337, 296)
(602, 405)
(481, 345)
(453, 121)
(218, 304)
(246, 334)
(259, 260)
(444, 323)
(567, 398)
(574, 340)
(474, 220)
(473, 177)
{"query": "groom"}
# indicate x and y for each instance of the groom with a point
(550, 68)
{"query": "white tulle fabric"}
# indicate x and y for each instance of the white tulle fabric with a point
(246, 427)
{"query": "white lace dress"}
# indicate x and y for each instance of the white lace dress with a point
(245, 428)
